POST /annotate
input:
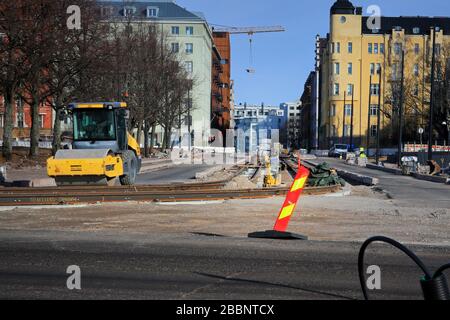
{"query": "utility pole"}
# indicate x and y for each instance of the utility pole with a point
(431, 115)
(400, 112)
(189, 119)
(378, 119)
(368, 115)
(343, 121)
(351, 123)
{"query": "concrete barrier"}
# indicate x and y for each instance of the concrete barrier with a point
(352, 176)
(47, 182)
(358, 178)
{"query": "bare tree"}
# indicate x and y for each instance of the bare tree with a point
(13, 61)
(417, 93)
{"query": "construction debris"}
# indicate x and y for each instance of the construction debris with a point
(322, 175)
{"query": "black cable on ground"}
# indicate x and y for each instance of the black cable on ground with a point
(434, 287)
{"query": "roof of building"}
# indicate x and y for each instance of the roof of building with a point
(167, 10)
(411, 25)
(342, 7)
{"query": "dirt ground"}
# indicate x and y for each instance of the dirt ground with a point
(20, 159)
(346, 218)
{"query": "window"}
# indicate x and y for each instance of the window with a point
(175, 30)
(417, 49)
(375, 48)
(382, 48)
(106, 11)
(20, 120)
(350, 47)
(375, 89)
(373, 131)
(438, 49)
(333, 131)
(397, 48)
(333, 110)
(336, 89)
(175, 47)
(370, 48)
(349, 89)
(152, 12)
(347, 130)
(348, 110)
(189, 65)
(378, 69)
(94, 125)
(189, 48)
(416, 70)
(350, 68)
(416, 30)
(128, 11)
(42, 121)
(189, 31)
(372, 68)
(337, 68)
(373, 110)
(336, 47)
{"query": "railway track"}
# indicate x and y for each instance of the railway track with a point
(207, 191)
(41, 196)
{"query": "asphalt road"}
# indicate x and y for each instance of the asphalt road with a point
(175, 174)
(190, 266)
(403, 189)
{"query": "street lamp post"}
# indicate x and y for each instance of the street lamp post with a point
(378, 119)
(351, 122)
(343, 121)
(431, 115)
(400, 133)
(368, 116)
(189, 119)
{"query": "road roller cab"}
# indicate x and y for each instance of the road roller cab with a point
(102, 149)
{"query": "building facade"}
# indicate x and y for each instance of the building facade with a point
(291, 137)
(189, 36)
(221, 82)
(360, 71)
(22, 120)
(255, 124)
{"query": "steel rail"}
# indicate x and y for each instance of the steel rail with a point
(63, 197)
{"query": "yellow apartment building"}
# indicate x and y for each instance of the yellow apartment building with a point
(360, 70)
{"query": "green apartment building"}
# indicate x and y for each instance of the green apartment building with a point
(187, 34)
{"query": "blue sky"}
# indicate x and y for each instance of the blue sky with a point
(283, 60)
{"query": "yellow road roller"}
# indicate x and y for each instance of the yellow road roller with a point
(102, 150)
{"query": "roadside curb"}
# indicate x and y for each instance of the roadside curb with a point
(148, 169)
(388, 170)
(424, 177)
(352, 176)
(415, 175)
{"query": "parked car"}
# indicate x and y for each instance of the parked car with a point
(338, 150)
